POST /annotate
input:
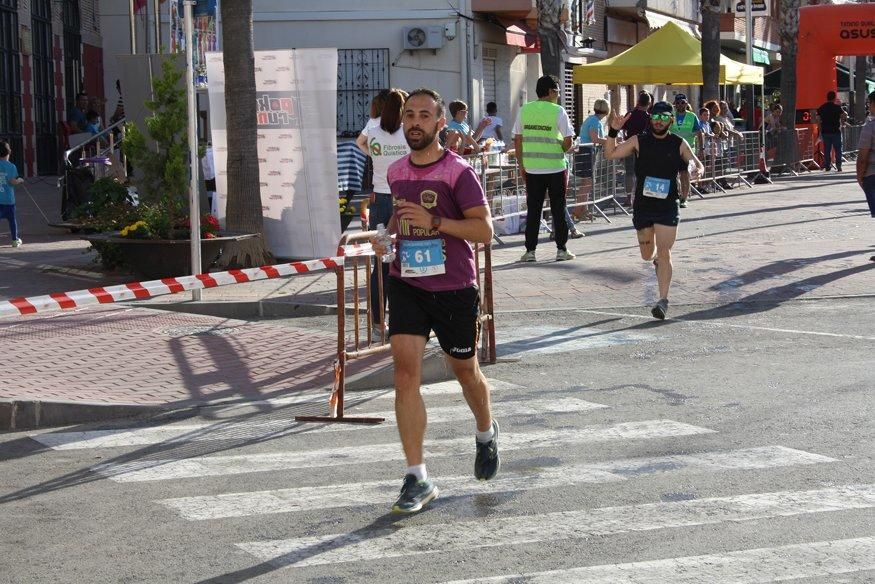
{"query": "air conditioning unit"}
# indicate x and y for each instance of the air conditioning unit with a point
(423, 37)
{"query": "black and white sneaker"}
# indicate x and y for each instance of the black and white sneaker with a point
(486, 462)
(415, 495)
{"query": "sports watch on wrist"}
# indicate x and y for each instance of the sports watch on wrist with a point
(436, 222)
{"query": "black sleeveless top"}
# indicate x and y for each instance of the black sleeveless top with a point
(658, 158)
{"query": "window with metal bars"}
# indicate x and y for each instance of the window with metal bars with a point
(10, 81)
(361, 74)
(45, 119)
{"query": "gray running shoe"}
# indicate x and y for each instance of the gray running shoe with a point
(414, 495)
(486, 463)
(529, 256)
(660, 309)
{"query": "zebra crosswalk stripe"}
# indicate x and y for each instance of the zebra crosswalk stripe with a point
(384, 492)
(391, 542)
(154, 470)
(788, 562)
(229, 430)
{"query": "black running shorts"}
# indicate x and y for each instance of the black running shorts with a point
(644, 219)
(454, 316)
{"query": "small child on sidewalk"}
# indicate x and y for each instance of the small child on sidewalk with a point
(8, 179)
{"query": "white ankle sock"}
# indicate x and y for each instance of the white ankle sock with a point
(486, 436)
(418, 470)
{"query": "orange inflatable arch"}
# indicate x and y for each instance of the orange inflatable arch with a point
(825, 32)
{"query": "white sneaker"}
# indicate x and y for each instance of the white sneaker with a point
(529, 256)
(563, 255)
(17, 242)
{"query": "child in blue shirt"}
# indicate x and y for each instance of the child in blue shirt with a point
(8, 179)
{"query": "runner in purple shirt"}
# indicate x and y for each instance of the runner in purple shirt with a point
(439, 208)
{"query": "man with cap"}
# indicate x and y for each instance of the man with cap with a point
(655, 206)
(688, 127)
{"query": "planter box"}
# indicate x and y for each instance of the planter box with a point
(153, 259)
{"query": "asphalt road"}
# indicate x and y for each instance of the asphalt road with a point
(728, 444)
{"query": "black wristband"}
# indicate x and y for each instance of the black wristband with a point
(612, 133)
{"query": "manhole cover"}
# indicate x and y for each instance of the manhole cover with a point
(198, 331)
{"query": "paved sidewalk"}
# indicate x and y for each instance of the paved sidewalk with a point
(800, 238)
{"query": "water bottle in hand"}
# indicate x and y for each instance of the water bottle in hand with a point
(385, 240)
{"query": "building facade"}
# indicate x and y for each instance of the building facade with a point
(50, 50)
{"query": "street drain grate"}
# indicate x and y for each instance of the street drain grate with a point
(199, 331)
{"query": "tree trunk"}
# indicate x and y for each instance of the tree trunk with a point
(552, 36)
(243, 212)
(788, 31)
(710, 49)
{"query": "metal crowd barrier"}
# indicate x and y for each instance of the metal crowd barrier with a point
(354, 343)
(594, 184)
(851, 141)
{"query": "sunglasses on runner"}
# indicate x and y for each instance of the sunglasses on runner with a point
(661, 117)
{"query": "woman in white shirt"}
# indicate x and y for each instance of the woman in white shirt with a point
(385, 143)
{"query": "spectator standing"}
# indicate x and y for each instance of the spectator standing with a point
(386, 144)
(76, 115)
(831, 118)
(432, 287)
(460, 138)
(866, 159)
(8, 180)
(490, 126)
(687, 126)
(638, 123)
(592, 130)
(542, 134)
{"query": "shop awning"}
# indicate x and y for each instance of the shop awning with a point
(519, 34)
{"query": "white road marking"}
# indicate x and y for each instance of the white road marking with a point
(730, 325)
(231, 430)
(775, 564)
(384, 492)
(557, 339)
(203, 466)
(439, 388)
(374, 544)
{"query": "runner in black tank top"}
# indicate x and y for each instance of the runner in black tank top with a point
(655, 208)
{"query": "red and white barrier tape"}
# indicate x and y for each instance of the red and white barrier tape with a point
(356, 249)
(143, 290)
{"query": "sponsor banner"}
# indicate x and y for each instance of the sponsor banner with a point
(296, 105)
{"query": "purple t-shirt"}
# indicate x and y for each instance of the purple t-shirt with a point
(447, 188)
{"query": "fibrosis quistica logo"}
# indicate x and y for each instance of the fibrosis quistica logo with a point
(275, 109)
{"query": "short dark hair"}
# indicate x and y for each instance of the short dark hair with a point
(702, 110)
(439, 101)
(92, 115)
(830, 95)
(643, 99)
(456, 106)
(872, 96)
(491, 108)
(5, 149)
(546, 84)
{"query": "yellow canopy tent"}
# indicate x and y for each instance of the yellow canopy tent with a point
(669, 55)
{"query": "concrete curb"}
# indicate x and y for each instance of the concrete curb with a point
(17, 414)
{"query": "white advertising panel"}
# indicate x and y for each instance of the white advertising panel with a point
(296, 96)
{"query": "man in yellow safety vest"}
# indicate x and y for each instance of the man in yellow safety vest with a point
(686, 125)
(542, 135)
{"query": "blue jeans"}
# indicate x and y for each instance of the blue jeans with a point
(8, 212)
(380, 211)
(832, 142)
(869, 189)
